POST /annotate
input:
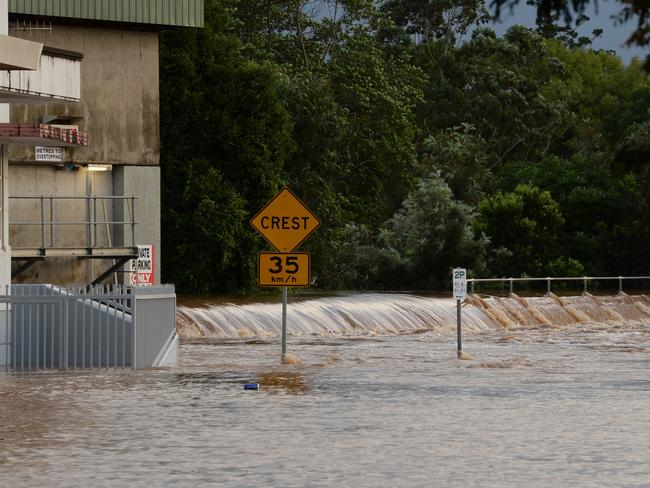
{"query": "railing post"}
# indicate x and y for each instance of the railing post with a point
(132, 221)
(42, 222)
(94, 221)
(6, 309)
(88, 229)
(511, 286)
(548, 285)
(584, 282)
(472, 286)
(51, 221)
(134, 325)
(620, 285)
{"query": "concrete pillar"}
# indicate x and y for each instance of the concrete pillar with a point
(5, 255)
(5, 250)
(142, 182)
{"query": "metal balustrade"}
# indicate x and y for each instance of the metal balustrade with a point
(48, 327)
(585, 280)
(48, 220)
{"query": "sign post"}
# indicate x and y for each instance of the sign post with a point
(284, 322)
(285, 222)
(460, 293)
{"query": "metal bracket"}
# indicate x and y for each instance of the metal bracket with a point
(120, 262)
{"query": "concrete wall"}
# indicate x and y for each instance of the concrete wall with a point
(119, 94)
(119, 109)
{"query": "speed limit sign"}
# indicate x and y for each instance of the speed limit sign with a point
(284, 269)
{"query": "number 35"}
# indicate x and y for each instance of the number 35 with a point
(290, 265)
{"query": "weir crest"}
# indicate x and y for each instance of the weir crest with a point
(369, 314)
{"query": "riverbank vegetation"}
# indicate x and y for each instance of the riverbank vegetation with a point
(420, 139)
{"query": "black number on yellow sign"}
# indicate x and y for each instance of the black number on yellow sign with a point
(290, 265)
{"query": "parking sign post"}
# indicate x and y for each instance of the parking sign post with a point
(459, 276)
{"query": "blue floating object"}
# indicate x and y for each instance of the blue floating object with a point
(252, 386)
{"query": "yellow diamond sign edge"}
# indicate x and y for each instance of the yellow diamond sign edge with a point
(285, 221)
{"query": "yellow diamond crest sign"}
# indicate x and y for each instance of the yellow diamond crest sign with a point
(285, 222)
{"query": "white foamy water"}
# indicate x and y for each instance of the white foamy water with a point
(376, 314)
(367, 314)
(544, 404)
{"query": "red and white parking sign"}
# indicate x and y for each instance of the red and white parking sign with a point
(142, 268)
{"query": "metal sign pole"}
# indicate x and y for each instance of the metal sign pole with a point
(459, 352)
(284, 322)
(285, 222)
(459, 276)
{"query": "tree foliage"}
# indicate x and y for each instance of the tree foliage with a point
(557, 19)
(422, 140)
(523, 227)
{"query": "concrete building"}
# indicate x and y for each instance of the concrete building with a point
(78, 212)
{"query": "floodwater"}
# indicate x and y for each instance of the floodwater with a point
(558, 404)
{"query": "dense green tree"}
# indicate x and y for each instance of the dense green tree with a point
(523, 227)
(443, 20)
(463, 160)
(210, 212)
(428, 236)
(600, 93)
(495, 84)
(221, 115)
(416, 247)
(600, 209)
(379, 96)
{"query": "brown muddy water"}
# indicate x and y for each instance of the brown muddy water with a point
(558, 395)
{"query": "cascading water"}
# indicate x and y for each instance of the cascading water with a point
(360, 314)
(376, 314)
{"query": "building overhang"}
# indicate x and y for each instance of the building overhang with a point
(57, 78)
(41, 135)
(18, 54)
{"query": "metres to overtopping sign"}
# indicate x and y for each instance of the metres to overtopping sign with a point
(285, 221)
(51, 154)
(460, 283)
(284, 269)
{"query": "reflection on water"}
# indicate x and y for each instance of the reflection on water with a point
(540, 406)
(287, 381)
(508, 363)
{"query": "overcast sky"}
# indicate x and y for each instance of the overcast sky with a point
(613, 37)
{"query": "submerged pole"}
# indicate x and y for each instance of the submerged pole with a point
(459, 351)
(284, 322)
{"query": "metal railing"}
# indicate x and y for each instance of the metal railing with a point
(585, 280)
(48, 327)
(48, 221)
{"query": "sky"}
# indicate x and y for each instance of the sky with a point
(613, 37)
